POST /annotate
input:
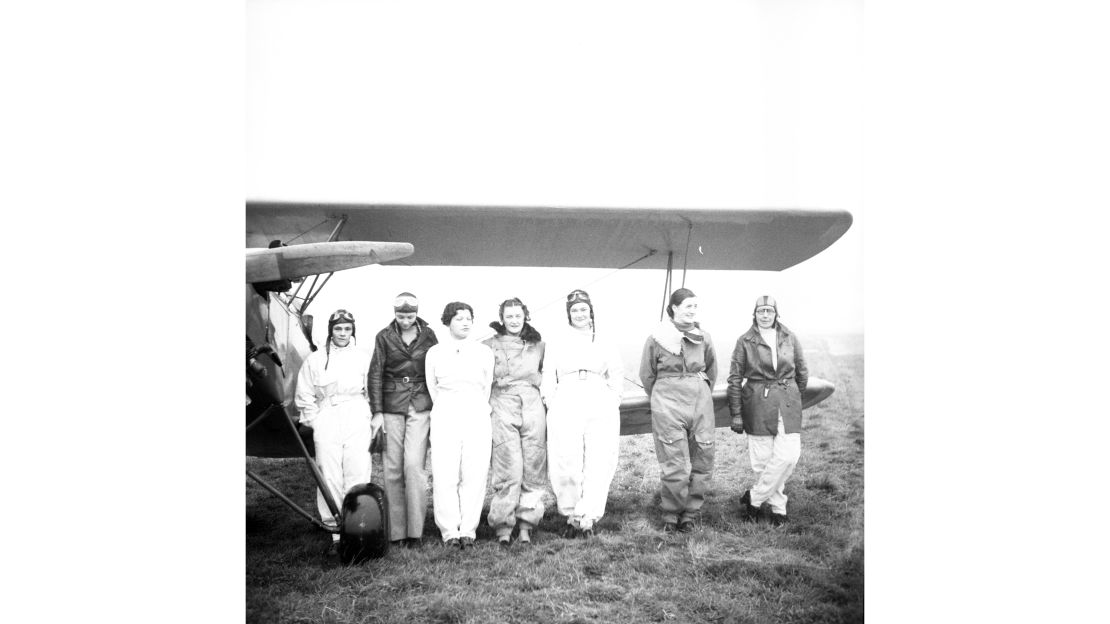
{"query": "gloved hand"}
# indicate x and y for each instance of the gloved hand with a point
(377, 433)
(737, 424)
(377, 443)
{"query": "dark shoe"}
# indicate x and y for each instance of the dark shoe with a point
(452, 543)
(587, 534)
(466, 542)
(748, 512)
(686, 526)
(570, 531)
(777, 519)
(401, 543)
(504, 541)
(333, 549)
(413, 542)
(670, 527)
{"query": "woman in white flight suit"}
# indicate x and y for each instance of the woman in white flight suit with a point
(331, 396)
(459, 374)
(582, 383)
(519, 425)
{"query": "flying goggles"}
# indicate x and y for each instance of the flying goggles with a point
(577, 296)
(342, 316)
(405, 303)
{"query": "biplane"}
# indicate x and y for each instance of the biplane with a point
(294, 248)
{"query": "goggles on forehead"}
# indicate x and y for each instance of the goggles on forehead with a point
(342, 316)
(404, 302)
(578, 295)
(765, 310)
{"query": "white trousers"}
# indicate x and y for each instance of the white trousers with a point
(583, 444)
(461, 443)
(773, 459)
(341, 434)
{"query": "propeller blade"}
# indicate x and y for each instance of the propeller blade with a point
(296, 261)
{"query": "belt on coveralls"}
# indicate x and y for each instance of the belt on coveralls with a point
(580, 374)
(338, 399)
(516, 383)
(700, 374)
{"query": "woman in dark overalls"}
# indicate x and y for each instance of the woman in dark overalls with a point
(678, 369)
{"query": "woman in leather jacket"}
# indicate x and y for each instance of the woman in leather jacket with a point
(399, 397)
(766, 380)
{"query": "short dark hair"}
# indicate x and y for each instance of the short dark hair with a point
(677, 297)
(453, 308)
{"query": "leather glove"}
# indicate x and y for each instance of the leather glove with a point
(377, 442)
(737, 424)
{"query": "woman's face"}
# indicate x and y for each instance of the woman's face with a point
(341, 334)
(580, 315)
(514, 319)
(765, 317)
(686, 312)
(460, 325)
(405, 320)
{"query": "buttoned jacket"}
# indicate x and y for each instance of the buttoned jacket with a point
(768, 390)
(396, 379)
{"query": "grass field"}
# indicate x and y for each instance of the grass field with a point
(810, 570)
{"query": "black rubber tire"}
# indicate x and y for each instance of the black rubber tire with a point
(364, 527)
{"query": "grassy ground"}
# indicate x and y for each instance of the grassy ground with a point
(810, 570)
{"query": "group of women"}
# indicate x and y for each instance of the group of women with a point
(536, 412)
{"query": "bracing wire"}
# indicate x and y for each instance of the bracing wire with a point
(649, 254)
(306, 231)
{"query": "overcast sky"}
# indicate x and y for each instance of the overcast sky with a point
(748, 104)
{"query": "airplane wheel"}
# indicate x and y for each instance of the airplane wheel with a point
(364, 528)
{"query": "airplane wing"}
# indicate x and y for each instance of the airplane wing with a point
(766, 239)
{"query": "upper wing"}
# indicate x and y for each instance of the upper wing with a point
(767, 239)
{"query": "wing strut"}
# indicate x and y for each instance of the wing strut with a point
(312, 290)
(312, 295)
(668, 280)
(667, 284)
(686, 254)
(315, 470)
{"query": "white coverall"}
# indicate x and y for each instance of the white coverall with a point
(335, 404)
(582, 384)
(459, 375)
